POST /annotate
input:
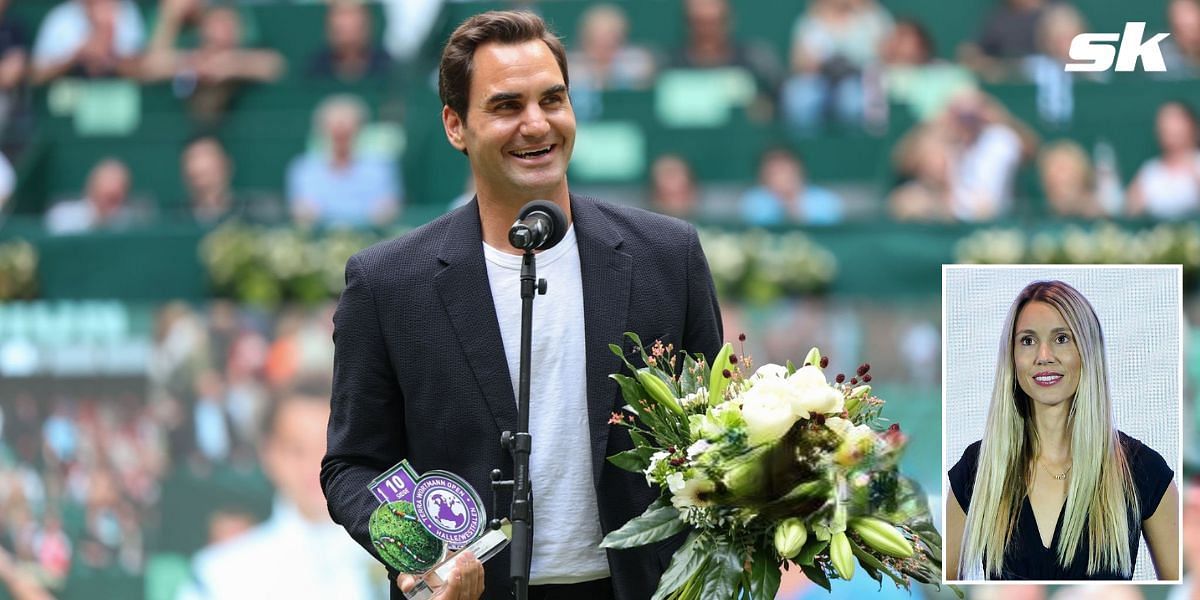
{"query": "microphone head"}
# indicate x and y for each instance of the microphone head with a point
(557, 221)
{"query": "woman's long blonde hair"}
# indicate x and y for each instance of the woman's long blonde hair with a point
(1100, 493)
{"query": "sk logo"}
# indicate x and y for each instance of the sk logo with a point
(1097, 51)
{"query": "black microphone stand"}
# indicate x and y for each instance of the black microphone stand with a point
(520, 443)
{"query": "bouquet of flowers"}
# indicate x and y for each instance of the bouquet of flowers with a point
(767, 467)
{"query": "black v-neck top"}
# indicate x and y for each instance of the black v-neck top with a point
(1026, 557)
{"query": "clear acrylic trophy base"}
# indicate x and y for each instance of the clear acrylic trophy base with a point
(487, 546)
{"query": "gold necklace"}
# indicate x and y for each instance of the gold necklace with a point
(1058, 476)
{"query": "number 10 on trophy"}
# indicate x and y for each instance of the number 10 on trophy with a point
(422, 523)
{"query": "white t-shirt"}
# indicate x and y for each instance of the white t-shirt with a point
(983, 174)
(66, 28)
(289, 558)
(1170, 194)
(566, 535)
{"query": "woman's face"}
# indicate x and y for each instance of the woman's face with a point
(1046, 360)
(1176, 130)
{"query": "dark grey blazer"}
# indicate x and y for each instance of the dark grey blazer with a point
(420, 371)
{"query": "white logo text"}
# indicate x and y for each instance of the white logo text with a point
(1097, 51)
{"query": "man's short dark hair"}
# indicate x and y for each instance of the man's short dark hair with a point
(503, 27)
(311, 391)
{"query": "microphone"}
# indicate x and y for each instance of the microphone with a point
(540, 225)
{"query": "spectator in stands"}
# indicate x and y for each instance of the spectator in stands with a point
(1068, 182)
(105, 204)
(914, 76)
(1009, 35)
(1168, 186)
(1060, 23)
(88, 38)
(212, 424)
(926, 197)
(833, 43)
(111, 536)
(206, 176)
(673, 187)
(710, 44)
(337, 185)
(409, 23)
(210, 74)
(1181, 51)
(14, 64)
(783, 194)
(349, 53)
(20, 583)
(985, 147)
(174, 19)
(8, 182)
(299, 552)
(605, 60)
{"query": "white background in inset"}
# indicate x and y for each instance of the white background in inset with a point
(1140, 313)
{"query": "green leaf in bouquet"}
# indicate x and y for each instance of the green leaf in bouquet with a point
(633, 461)
(640, 441)
(872, 565)
(660, 521)
(764, 575)
(817, 575)
(635, 338)
(722, 573)
(810, 551)
(688, 382)
(717, 381)
(910, 507)
(659, 388)
(929, 537)
(632, 393)
(685, 564)
(637, 342)
(620, 352)
(806, 498)
(631, 390)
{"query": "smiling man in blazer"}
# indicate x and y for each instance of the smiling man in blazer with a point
(427, 329)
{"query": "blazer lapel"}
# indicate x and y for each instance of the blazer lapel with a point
(606, 273)
(466, 294)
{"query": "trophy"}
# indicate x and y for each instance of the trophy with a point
(423, 522)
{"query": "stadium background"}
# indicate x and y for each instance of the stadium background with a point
(119, 343)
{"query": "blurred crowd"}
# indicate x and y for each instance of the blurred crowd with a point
(124, 482)
(852, 65)
(184, 484)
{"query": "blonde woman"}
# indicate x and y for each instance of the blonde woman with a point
(1054, 491)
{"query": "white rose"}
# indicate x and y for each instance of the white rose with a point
(770, 370)
(700, 447)
(813, 394)
(768, 411)
(839, 426)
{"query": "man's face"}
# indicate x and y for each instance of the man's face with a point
(292, 455)
(205, 167)
(348, 27)
(108, 187)
(1184, 17)
(221, 29)
(520, 128)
